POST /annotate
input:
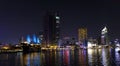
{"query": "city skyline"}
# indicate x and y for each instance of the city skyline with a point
(20, 18)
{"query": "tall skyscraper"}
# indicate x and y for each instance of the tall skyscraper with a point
(104, 36)
(51, 29)
(82, 36)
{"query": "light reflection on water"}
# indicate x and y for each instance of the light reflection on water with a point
(90, 57)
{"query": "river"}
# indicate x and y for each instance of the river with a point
(66, 57)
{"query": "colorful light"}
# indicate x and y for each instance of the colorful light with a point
(28, 39)
(38, 41)
(34, 38)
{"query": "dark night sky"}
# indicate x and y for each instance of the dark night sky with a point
(21, 17)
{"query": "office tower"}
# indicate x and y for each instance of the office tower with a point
(51, 29)
(104, 36)
(82, 36)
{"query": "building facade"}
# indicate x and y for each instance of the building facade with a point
(104, 36)
(82, 36)
(51, 28)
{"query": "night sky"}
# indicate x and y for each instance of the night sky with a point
(22, 17)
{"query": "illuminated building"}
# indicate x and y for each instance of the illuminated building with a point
(28, 39)
(40, 37)
(51, 29)
(82, 36)
(104, 36)
(92, 42)
(38, 40)
(116, 42)
(34, 38)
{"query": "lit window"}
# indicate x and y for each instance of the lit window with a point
(57, 17)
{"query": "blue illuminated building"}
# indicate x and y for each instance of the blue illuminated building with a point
(38, 41)
(34, 38)
(28, 39)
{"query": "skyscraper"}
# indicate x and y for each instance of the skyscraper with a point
(104, 36)
(51, 28)
(82, 36)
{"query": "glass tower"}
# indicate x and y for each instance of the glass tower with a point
(51, 29)
(82, 36)
(104, 36)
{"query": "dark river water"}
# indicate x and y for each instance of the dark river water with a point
(89, 57)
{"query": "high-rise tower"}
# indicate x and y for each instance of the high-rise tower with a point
(51, 28)
(104, 36)
(82, 36)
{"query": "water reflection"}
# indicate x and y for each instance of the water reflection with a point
(32, 59)
(117, 57)
(66, 57)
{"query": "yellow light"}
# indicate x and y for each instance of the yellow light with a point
(99, 46)
(90, 51)
(5, 48)
(89, 45)
(51, 46)
(43, 48)
(32, 44)
(26, 42)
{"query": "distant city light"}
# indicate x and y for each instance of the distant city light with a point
(28, 39)
(89, 45)
(117, 49)
(38, 41)
(104, 30)
(57, 17)
(34, 38)
(90, 51)
(57, 21)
